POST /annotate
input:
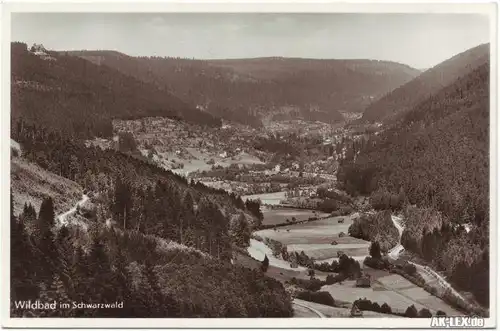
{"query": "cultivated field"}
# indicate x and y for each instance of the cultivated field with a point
(315, 238)
(347, 291)
(330, 311)
(278, 216)
(328, 251)
(395, 290)
(405, 287)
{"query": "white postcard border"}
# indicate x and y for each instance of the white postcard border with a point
(480, 7)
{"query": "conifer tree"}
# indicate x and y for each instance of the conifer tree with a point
(45, 240)
(156, 302)
(57, 292)
(81, 277)
(21, 285)
(65, 252)
(385, 308)
(241, 231)
(45, 296)
(187, 219)
(100, 273)
(375, 250)
(123, 286)
(411, 311)
(265, 264)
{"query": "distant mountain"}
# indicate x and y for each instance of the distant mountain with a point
(428, 83)
(79, 97)
(248, 90)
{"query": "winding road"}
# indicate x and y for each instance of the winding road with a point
(396, 250)
(427, 273)
(63, 218)
(304, 304)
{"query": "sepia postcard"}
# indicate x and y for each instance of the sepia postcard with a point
(242, 165)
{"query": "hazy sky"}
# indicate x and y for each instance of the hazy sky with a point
(419, 40)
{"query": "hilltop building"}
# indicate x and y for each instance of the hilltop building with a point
(40, 51)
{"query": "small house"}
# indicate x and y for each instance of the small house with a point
(39, 50)
(363, 281)
(355, 311)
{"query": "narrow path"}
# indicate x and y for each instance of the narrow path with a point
(304, 305)
(62, 218)
(396, 250)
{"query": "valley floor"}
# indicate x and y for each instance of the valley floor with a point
(314, 238)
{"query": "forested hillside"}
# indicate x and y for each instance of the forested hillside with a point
(167, 254)
(87, 96)
(437, 158)
(135, 192)
(130, 275)
(429, 82)
(247, 90)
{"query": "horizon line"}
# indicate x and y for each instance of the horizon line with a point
(253, 58)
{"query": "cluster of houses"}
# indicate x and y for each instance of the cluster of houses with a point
(103, 143)
(302, 192)
(171, 136)
(301, 127)
(240, 188)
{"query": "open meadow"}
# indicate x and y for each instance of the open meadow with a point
(395, 290)
(329, 311)
(315, 238)
(281, 215)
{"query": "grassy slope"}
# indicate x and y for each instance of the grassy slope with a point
(30, 183)
(334, 311)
